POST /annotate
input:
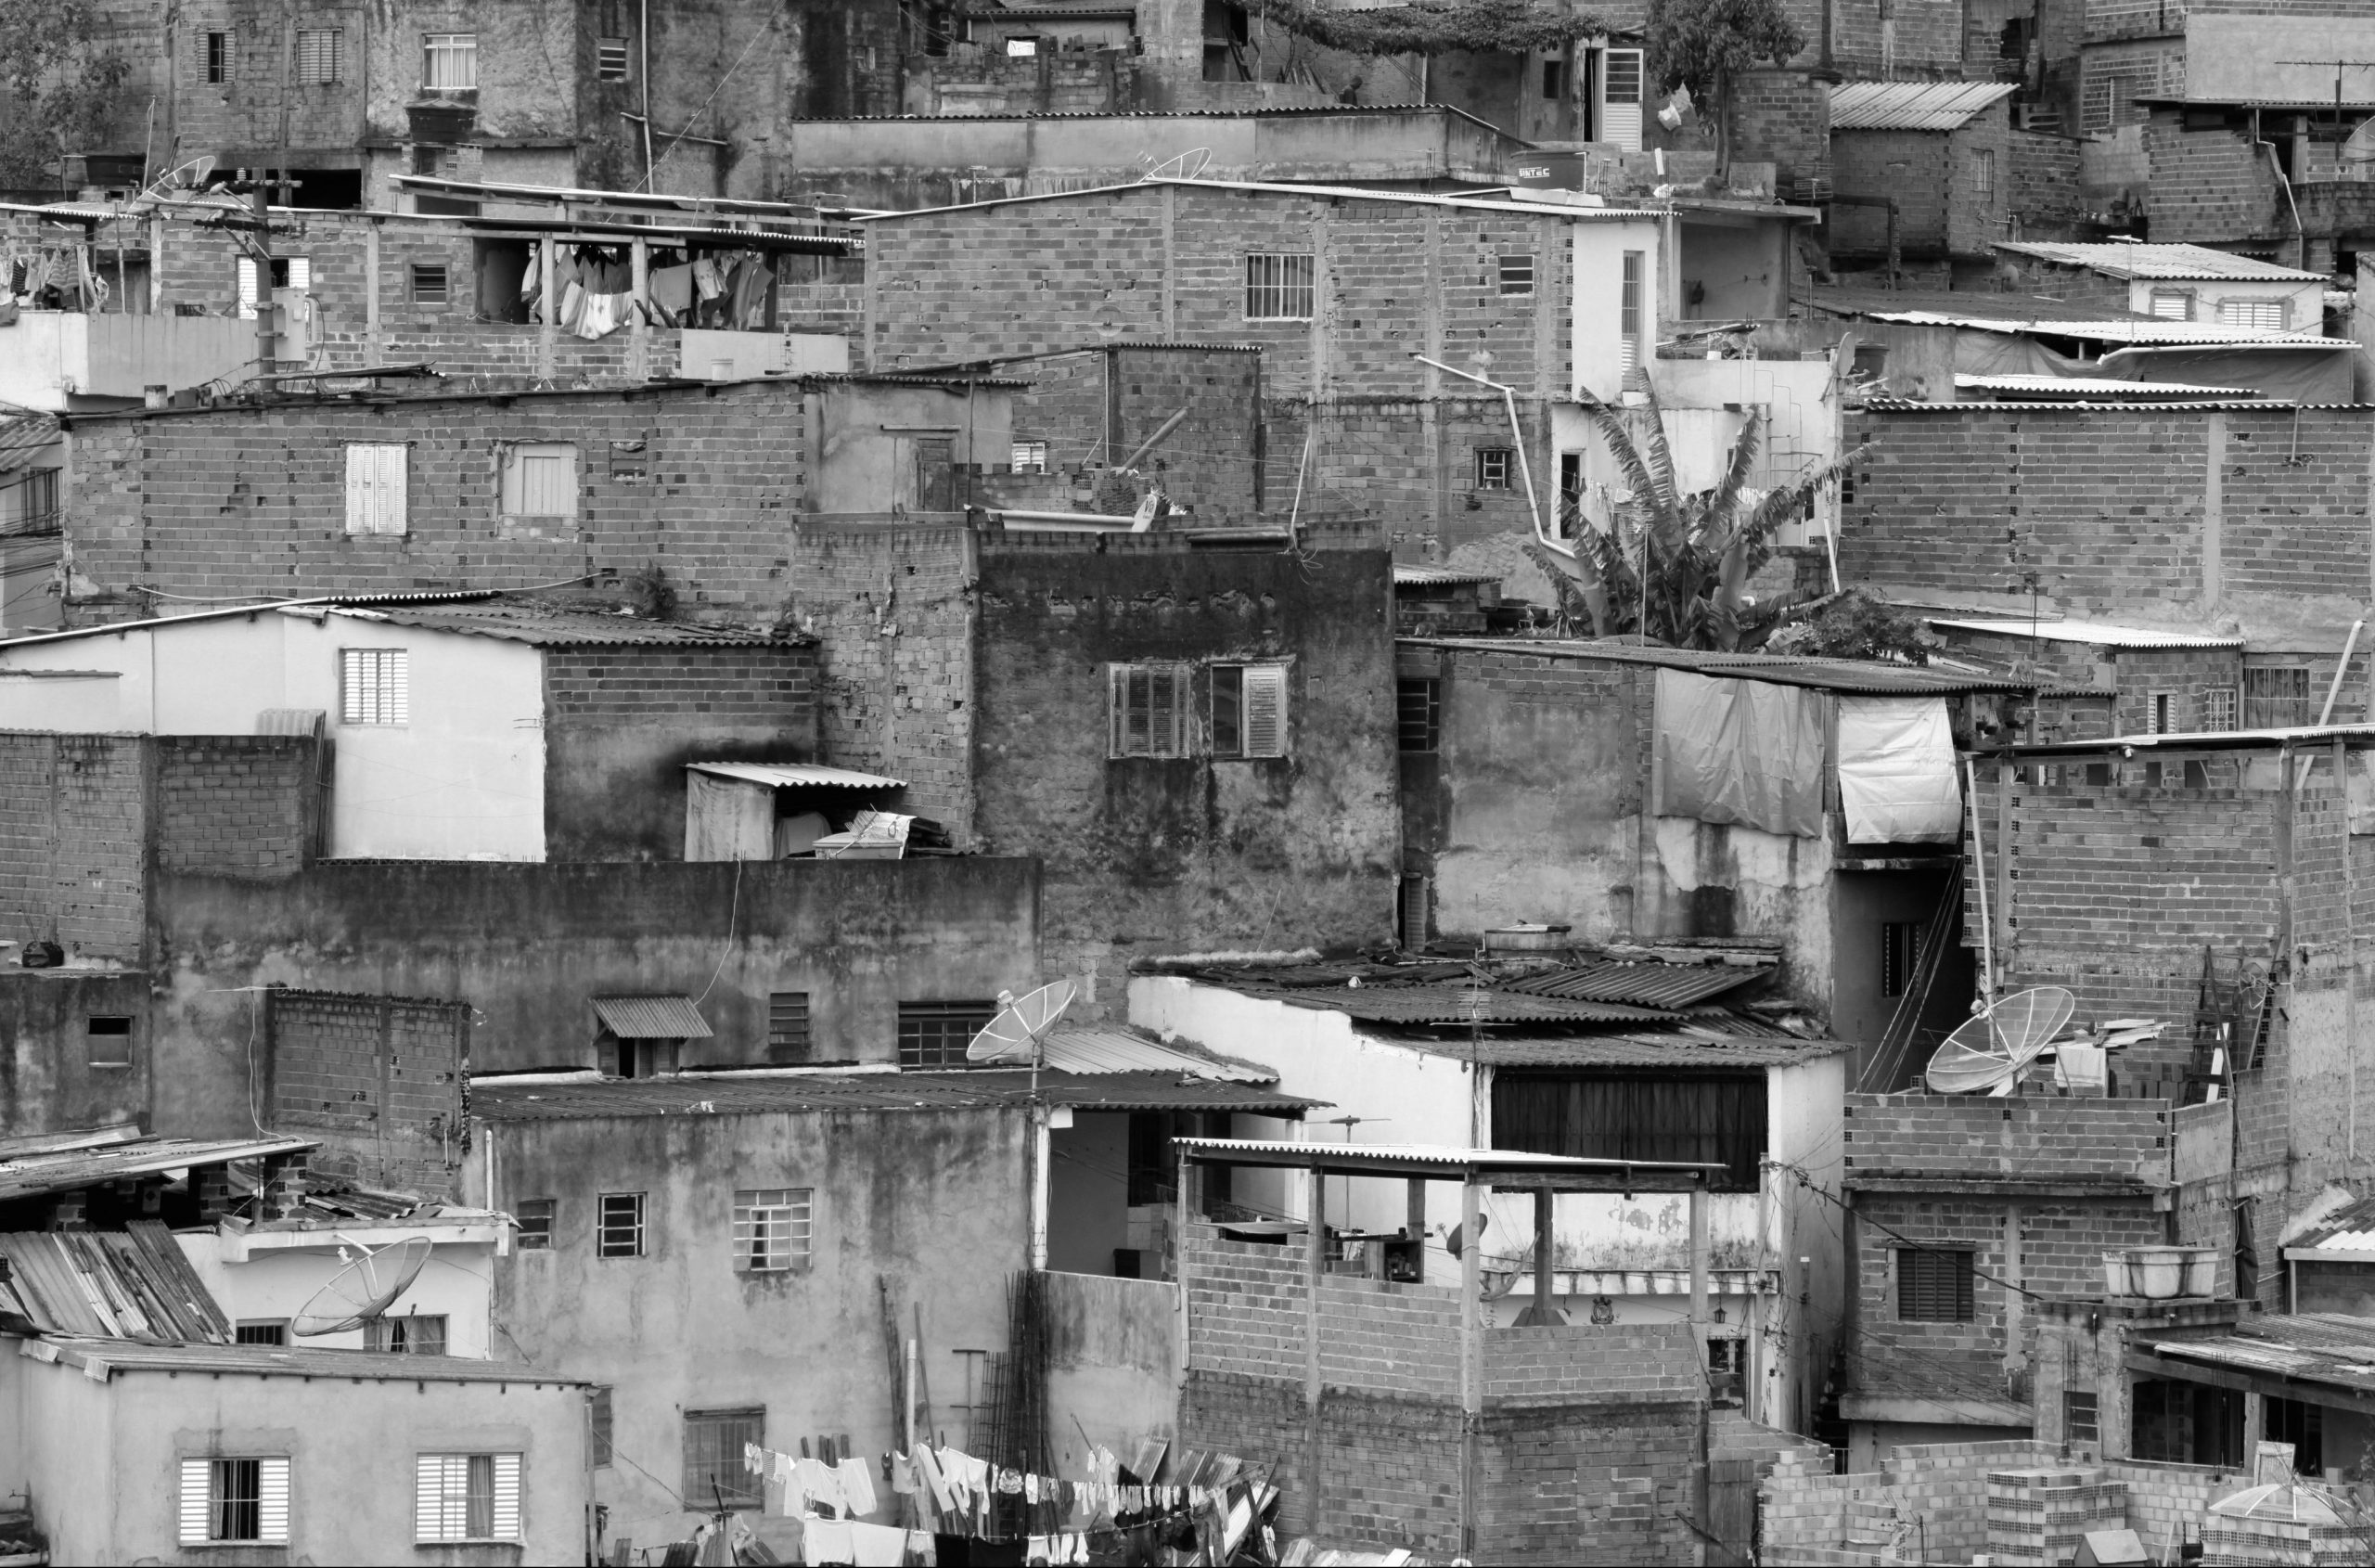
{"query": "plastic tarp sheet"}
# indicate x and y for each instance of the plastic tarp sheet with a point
(1896, 771)
(1741, 751)
(2303, 375)
(2009, 353)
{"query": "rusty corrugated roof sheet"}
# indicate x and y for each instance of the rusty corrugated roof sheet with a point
(2182, 263)
(519, 620)
(652, 1018)
(1112, 1049)
(1912, 106)
(98, 1357)
(1706, 1052)
(25, 1175)
(798, 774)
(801, 1093)
(1457, 1004)
(129, 1284)
(1645, 984)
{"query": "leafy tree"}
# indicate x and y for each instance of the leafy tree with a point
(60, 84)
(1856, 626)
(1706, 44)
(1675, 568)
(1510, 27)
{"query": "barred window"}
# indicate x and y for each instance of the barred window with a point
(1418, 707)
(1629, 304)
(935, 1033)
(430, 283)
(2218, 708)
(1278, 287)
(788, 1039)
(235, 1500)
(1517, 275)
(1149, 710)
(772, 1226)
(2080, 1417)
(1493, 464)
(372, 687)
(321, 55)
(1933, 1285)
(221, 52)
(467, 1497)
(713, 1467)
(535, 1217)
(621, 1232)
(2276, 699)
(1900, 954)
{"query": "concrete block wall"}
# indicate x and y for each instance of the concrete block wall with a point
(73, 829)
(240, 806)
(1608, 1483)
(2029, 1136)
(892, 607)
(1583, 1364)
(1938, 1490)
(1246, 1307)
(974, 79)
(2044, 193)
(1784, 115)
(1390, 1339)
(1912, 166)
(2107, 20)
(252, 501)
(380, 1080)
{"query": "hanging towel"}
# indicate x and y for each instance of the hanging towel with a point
(877, 1546)
(857, 1485)
(828, 1540)
(671, 292)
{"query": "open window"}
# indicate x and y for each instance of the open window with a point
(1248, 711)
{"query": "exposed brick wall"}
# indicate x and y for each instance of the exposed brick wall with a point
(2110, 19)
(73, 828)
(2046, 201)
(242, 805)
(1938, 1490)
(1922, 37)
(253, 501)
(972, 78)
(1584, 1364)
(381, 1081)
(2209, 184)
(622, 722)
(1939, 1135)
(1911, 166)
(1601, 1484)
(1784, 116)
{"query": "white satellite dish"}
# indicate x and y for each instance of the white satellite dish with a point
(362, 1290)
(1988, 1053)
(191, 175)
(2360, 146)
(1014, 1035)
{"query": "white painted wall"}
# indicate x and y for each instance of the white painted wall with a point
(2304, 301)
(703, 349)
(1596, 345)
(267, 1274)
(463, 780)
(49, 355)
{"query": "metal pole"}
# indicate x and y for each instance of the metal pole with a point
(1516, 434)
(265, 310)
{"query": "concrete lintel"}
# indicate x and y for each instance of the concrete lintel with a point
(1932, 1412)
(2010, 1186)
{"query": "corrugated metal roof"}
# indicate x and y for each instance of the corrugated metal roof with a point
(24, 438)
(1646, 985)
(100, 1358)
(2170, 263)
(1271, 188)
(130, 1284)
(1262, 111)
(2097, 386)
(2163, 334)
(652, 1018)
(522, 622)
(1103, 1049)
(785, 776)
(25, 1175)
(2096, 634)
(2002, 406)
(1437, 576)
(1869, 678)
(1455, 1004)
(1890, 304)
(1442, 1159)
(2201, 741)
(1053, 13)
(1912, 106)
(810, 1093)
(2349, 1229)
(1708, 1050)
(2323, 1348)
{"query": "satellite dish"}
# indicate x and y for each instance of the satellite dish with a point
(2360, 146)
(191, 175)
(362, 1290)
(1014, 1035)
(1987, 1054)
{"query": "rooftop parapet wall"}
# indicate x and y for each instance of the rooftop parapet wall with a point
(2024, 1137)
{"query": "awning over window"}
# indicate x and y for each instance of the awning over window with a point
(652, 1018)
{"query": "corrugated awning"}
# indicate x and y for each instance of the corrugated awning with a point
(1096, 1050)
(798, 774)
(130, 1284)
(652, 1018)
(63, 1170)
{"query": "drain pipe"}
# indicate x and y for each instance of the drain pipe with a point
(643, 38)
(2275, 166)
(1516, 435)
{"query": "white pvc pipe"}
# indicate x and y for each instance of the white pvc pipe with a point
(1516, 435)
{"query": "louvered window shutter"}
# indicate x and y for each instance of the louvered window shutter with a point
(196, 1499)
(246, 289)
(272, 1501)
(506, 1498)
(1266, 711)
(429, 1499)
(375, 487)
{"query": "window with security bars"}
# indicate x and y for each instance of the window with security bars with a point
(431, 283)
(1933, 1285)
(619, 1233)
(1492, 465)
(262, 1331)
(372, 685)
(1149, 710)
(610, 60)
(788, 1037)
(713, 1469)
(467, 1497)
(540, 479)
(535, 1221)
(773, 1227)
(2273, 316)
(1629, 306)
(221, 51)
(1517, 275)
(2173, 304)
(2081, 1420)
(2218, 708)
(2276, 699)
(935, 1033)
(1278, 287)
(234, 1499)
(1900, 954)
(1415, 898)
(1418, 709)
(1249, 710)
(321, 55)
(377, 488)
(449, 62)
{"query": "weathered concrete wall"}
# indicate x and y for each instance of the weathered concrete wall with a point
(862, 451)
(1197, 852)
(1114, 1362)
(526, 946)
(113, 1443)
(54, 1074)
(935, 1204)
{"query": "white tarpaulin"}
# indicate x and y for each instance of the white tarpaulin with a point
(1740, 751)
(1896, 771)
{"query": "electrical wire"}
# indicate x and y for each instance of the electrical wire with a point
(733, 913)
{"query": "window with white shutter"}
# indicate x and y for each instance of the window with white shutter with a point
(375, 487)
(1249, 710)
(1149, 709)
(234, 1499)
(373, 684)
(2272, 315)
(320, 56)
(540, 479)
(1630, 300)
(1620, 98)
(467, 1497)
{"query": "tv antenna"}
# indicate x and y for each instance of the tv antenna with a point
(1990, 1050)
(363, 1290)
(2359, 148)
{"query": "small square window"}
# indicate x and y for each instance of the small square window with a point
(1279, 288)
(540, 479)
(1517, 275)
(620, 1235)
(535, 1217)
(418, 1334)
(1248, 711)
(2173, 304)
(1933, 1285)
(2272, 315)
(1148, 714)
(1492, 465)
(788, 1026)
(449, 62)
(772, 1226)
(221, 53)
(1031, 457)
(429, 283)
(373, 687)
(1419, 708)
(1021, 49)
(261, 1331)
(631, 459)
(2080, 1417)
(109, 1040)
(2218, 708)
(610, 60)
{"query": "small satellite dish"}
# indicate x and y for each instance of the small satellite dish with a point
(362, 1290)
(1014, 1035)
(2360, 146)
(1987, 1054)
